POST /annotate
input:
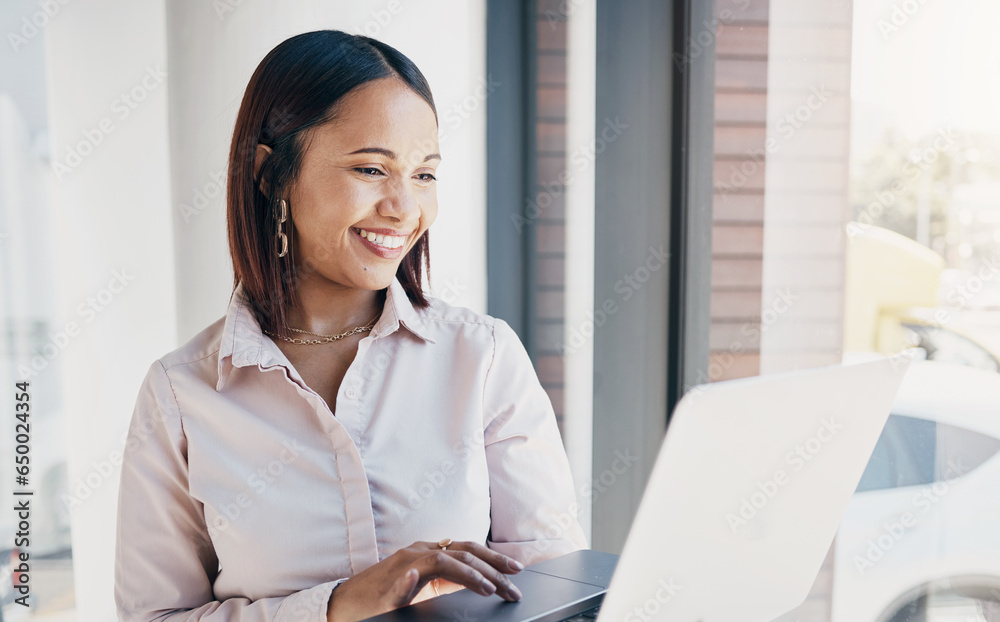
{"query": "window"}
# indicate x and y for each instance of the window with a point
(913, 452)
(856, 189)
(905, 455)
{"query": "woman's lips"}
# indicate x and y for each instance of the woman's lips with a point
(378, 249)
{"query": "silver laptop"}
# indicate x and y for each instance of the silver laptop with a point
(740, 510)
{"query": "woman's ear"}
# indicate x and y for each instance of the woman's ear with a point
(263, 152)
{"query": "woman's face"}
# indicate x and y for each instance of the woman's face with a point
(366, 188)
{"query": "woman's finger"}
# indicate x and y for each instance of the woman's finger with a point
(503, 563)
(441, 564)
(504, 587)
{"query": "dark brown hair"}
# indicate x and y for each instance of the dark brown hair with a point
(295, 88)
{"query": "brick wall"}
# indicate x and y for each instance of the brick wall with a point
(780, 199)
(807, 200)
(550, 227)
(738, 205)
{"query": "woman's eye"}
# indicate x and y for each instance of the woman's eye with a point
(368, 170)
(426, 177)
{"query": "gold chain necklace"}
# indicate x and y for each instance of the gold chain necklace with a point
(325, 338)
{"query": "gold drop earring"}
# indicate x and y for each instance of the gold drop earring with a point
(282, 238)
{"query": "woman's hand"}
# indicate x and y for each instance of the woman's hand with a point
(396, 580)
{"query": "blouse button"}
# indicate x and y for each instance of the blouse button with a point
(352, 393)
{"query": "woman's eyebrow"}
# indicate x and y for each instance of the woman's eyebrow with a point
(391, 154)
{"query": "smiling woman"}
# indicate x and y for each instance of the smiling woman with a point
(369, 158)
(402, 447)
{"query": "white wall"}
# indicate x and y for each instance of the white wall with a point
(112, 216)
(581, 104)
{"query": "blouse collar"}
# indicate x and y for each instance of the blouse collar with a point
(244, 344)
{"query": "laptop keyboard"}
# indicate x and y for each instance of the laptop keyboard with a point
(587, 616)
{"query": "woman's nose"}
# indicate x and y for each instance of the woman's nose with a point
(400, 201)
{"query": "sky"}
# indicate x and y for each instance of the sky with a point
(936, 67)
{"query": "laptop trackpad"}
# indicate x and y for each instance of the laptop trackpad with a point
(544, 597)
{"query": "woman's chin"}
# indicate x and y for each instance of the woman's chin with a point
(375, 280)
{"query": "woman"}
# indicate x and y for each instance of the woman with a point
(336, 428)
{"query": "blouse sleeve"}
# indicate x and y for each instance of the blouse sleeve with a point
(164, 560)
(533, 506)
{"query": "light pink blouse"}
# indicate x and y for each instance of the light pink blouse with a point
(244, 498)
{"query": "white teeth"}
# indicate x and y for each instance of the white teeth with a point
(385, 241)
